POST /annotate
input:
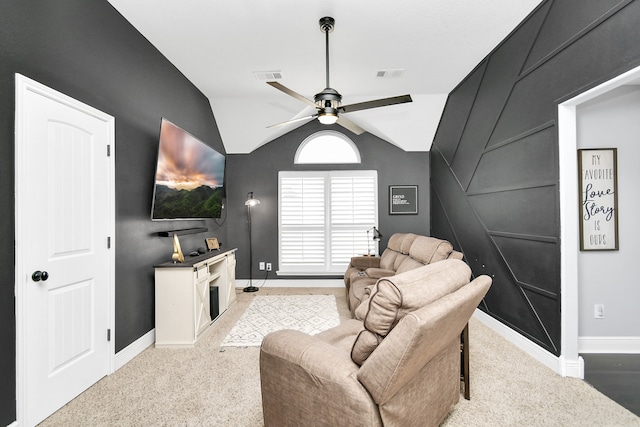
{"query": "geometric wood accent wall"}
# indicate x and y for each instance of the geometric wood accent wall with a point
(494, 160)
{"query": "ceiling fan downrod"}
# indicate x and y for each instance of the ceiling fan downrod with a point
(326, 26)
(329, 100)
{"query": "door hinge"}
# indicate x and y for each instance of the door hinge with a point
(109, 242)
(108, 334)
(108, 150)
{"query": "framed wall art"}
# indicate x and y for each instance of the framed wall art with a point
(403, 199)
(598, 169)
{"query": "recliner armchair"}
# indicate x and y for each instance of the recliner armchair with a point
(398, 366)
(397, 250)
(404, 252)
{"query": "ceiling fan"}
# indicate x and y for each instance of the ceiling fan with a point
(328, 103)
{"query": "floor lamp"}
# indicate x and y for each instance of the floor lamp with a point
(251, 202)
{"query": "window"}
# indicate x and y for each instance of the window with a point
(324, 217)
(327, 146)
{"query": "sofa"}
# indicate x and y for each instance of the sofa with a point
(404, 252)
(396, 364)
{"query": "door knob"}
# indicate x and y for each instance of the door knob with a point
(39, 275)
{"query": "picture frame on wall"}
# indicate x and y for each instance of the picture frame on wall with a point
(598, 201)
(403, 199)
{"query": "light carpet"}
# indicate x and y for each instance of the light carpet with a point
(310, 314)
(203, 386)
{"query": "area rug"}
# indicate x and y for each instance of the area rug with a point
(310, 314)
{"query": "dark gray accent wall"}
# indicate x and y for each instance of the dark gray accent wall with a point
(494, 162)
(258, 172)
(87, 50)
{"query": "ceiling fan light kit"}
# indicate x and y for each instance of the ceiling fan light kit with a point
(328, 102)
(328, 117)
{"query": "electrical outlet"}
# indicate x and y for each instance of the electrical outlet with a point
(261, 265)
(268, 266)
(598, 311)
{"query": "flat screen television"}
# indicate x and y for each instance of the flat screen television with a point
(189, 181)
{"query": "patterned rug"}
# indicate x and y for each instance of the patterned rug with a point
(310, 314)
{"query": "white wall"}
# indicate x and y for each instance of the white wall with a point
(611, 277)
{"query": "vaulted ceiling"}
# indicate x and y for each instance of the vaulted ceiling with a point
(219, 46)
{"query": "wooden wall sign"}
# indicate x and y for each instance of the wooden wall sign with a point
(598, 169)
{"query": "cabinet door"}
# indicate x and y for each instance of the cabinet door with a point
(202, 309)
(231, 279)
(175, 307)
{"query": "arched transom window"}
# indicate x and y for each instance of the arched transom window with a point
(327, 147)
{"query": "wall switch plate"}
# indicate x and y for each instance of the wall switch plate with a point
(598, 311)
(268, 266)
(261, 265)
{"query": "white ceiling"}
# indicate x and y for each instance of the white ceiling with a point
(218, 45)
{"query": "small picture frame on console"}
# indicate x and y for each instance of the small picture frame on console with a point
(212, 243)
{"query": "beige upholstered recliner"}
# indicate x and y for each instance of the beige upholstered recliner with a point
(404, 252)
(398, 366)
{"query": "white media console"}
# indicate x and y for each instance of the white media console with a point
(184, 292)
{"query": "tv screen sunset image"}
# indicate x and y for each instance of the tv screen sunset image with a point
(189, 177)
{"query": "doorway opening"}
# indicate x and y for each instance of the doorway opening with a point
(571, 364)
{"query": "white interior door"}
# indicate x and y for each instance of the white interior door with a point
(64, 248)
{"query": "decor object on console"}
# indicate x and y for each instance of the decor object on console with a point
(404, 252)
(177, 251)
(212, 243)
(399, 365)
(251, 202)
(328, 103)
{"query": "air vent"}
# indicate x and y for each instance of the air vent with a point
(268, 75)
(390, 74)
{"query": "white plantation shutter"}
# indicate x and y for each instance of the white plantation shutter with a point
(353, 212)
(324, 217)
(302, 212)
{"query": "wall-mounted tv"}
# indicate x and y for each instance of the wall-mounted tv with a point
(189, 177)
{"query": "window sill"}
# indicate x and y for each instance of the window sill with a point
(311, 273)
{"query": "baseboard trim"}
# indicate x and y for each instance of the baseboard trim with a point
(625, 345)
(559, 365)
(125, 355)
(292, 283)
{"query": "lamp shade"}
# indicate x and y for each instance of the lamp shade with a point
(250, 200)
(376, 234)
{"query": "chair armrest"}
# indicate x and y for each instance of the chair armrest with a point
(305, 380)
(364, 262)
(377, 273)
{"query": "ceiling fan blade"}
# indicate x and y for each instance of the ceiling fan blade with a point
(348, 124)
(383, 102)
(292, 93)
(293, 121)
